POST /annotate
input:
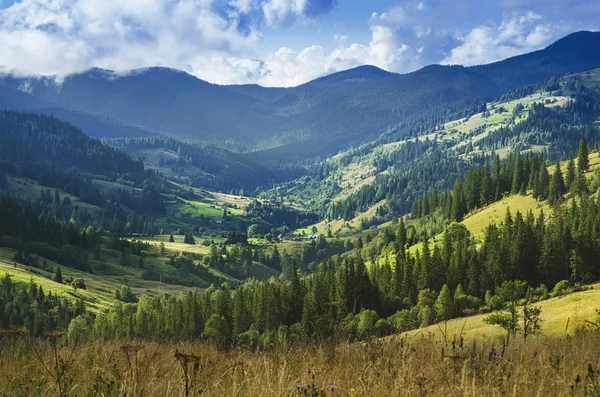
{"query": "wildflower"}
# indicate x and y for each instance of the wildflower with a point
(498, 357)
(302, 388)
(308, 369)
(352, 390)
(333, 388)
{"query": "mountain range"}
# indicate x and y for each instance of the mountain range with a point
(279, 125)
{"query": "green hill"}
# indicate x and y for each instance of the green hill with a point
(560, 316)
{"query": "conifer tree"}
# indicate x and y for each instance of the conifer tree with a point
(517, 178)
(58, 275)
(571, 173)
(583, 162)
(557, 185)
(458, 202)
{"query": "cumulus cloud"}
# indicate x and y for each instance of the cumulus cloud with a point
(513, 36)
(278, 12)
(62, 36)
(288, 67)
(220, 40)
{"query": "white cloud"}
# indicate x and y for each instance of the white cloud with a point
(62, 36)
(340, 39)
(221, 45)
(243, 6)
(288, 67)
(516, 35)
(282, 11)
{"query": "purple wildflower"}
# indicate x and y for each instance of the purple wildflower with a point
(308, 369)
(333, 388)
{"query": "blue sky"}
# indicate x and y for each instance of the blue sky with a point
(277, 42)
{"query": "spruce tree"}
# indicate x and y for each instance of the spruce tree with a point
(458, 202)
(58, 275)
(557, 185)
(517, 179)
(571, 173)
(583, 162)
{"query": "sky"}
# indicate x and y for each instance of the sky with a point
(277, 42)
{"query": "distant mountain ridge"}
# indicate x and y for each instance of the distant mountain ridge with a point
(285, 124)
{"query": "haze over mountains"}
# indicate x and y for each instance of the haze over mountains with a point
(285, 124)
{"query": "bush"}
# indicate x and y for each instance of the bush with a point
(366, 323)
(561, 288)
(78, 283)
(383, 327)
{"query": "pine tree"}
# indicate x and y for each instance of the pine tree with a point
(517, 179)
(458, 202)
(486, 186)
(171, 239)
(401, 234)
(583, 162)
(58, 275)
(557, 185)
(275, 262)
(296, 297)
(571, 173)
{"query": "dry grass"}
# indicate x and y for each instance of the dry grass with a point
(395, 367)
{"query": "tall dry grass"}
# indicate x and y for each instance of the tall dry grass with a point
(421, 366)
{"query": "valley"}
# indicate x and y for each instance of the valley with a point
(442, 222)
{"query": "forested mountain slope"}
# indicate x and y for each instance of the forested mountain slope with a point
(292, 124)
(378, 181)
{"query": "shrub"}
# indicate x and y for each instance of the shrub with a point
(561, 288)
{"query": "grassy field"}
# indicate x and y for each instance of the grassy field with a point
(101, 285)
(495, 213)
(560, 316)
(31, 190)
(341, 226)
(402, 366)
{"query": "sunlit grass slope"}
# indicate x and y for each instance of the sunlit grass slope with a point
(560, 316)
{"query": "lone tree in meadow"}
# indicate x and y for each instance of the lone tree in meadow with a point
(58, 275)
(510, 292)
(78, 283)
(532, 322)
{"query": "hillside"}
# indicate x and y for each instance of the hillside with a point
(293, 124)
(205, 167)
(561, 316)
(350, 186)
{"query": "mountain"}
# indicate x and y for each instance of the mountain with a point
(280, 125)
(574, 53)
(45, 142)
